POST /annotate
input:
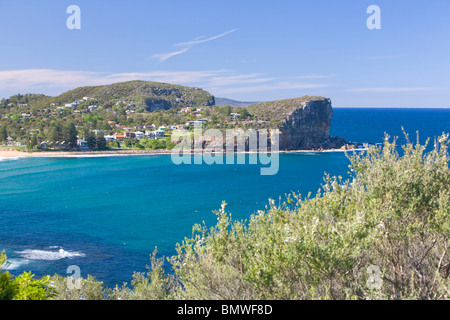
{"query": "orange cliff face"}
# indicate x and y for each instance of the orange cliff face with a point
(304, 123)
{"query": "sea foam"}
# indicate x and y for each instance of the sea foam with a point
(13, 264)
(9, 158)
(48, 255)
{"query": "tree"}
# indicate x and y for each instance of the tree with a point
(7, 286)
(70, 135)
(91, 140)
(3, 133)
(244, 113)
(101, 142)
(55, 132)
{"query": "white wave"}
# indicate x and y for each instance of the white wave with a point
(13, 264)
(9, 158)
(49, 255)
(74, 155)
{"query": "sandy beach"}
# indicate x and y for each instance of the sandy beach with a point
(11, 153)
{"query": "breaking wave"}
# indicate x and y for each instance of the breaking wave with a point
(49, 255)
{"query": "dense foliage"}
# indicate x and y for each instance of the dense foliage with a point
(381, 234)
(33, 119)
(32, 124)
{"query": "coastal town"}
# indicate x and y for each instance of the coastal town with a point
(126, 129)
(142, 115)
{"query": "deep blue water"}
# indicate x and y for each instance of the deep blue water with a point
(107, 214)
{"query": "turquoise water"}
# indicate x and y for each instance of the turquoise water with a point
(107, 214)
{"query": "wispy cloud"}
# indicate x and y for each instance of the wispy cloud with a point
(267, 87)
(164, 56)
(200, 40)
(50, 81)
(315, 76)
(385, 56)
(391, 89)
(218, 82)
(186, 46)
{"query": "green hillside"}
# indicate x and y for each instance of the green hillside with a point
(138, 95)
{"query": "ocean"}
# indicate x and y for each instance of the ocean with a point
(107, 214)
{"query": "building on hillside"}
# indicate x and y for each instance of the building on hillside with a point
(159, 133)
(119, 137)
(186, 109)
(139, 135)
(60, 145)
(109, 138)
(197, 123)
(150, 135)
(181, 127)
(82, 144)
(129, 135)
(10, 142)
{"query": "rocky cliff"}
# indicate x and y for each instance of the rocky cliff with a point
(304, 123)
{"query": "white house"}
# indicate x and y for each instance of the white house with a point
(109, 138)
(197, 123)
(150, 134)
(82, 144)
(159, 133)
(139, 135)
(181, 127)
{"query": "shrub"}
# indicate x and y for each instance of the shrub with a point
(90, 289)
(7, 286)
(382, 234)
(29, 288)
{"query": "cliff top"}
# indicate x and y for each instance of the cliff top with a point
(278, 110)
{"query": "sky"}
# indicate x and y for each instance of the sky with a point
(244, 50)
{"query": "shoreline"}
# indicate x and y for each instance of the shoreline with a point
(11, 153)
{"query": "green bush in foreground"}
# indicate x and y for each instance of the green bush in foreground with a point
(7, 287)
(382, 234)
(24, 286)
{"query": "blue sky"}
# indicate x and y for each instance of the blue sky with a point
(245, 50)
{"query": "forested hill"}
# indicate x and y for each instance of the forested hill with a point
(138, 95)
